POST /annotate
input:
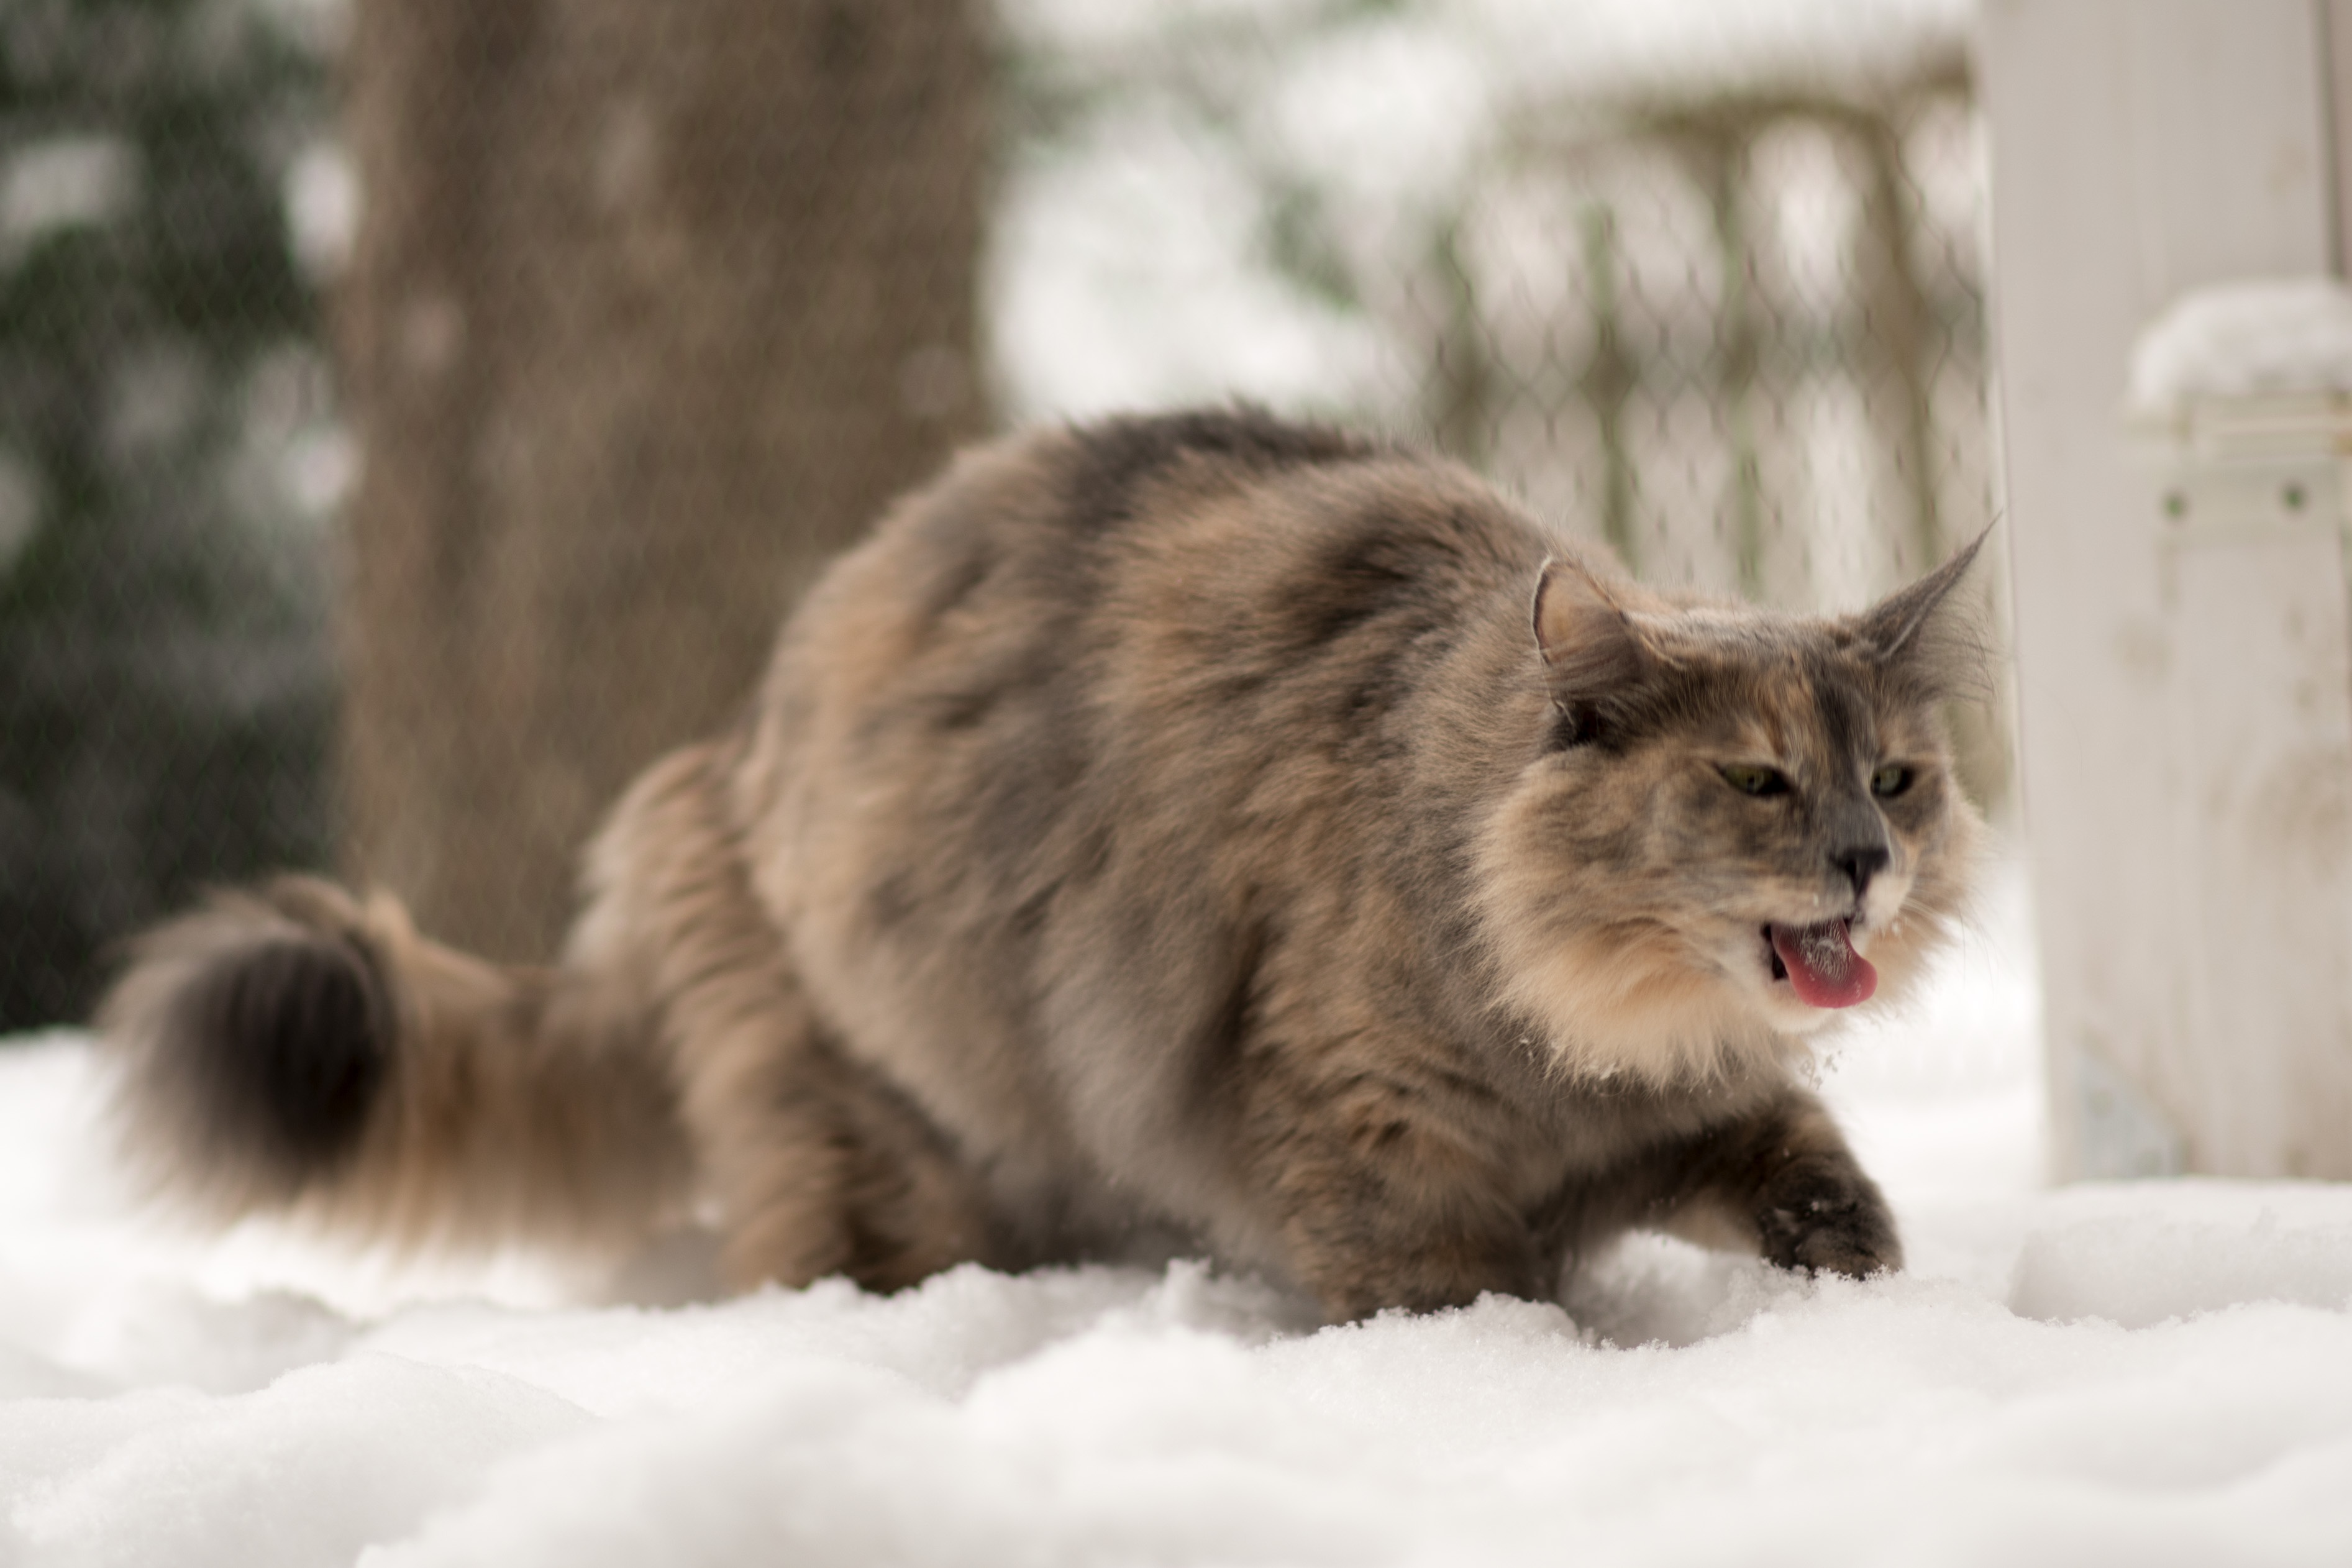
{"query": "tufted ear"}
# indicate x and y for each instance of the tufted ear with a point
(1594, 652)
(1923, 634)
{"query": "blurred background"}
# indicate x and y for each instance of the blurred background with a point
(417, 415)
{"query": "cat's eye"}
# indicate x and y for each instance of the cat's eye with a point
(1754, 778)
(1890, 781)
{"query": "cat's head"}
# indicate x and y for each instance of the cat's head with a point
(1736, 826)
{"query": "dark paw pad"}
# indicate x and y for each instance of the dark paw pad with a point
(1828, 1220)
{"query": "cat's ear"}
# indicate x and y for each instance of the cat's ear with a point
(1926, 632)
(1593, 650)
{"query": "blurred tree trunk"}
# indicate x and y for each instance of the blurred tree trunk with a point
(652, 308)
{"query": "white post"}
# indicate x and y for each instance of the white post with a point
(2176, 681)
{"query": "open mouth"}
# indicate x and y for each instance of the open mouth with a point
(1820, 964)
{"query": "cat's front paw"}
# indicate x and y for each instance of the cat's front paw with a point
(1828, 1218)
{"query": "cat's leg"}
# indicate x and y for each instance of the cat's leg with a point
(1365, 1238)
(1781, 1180)
(1378, 1203)
(816, 1167)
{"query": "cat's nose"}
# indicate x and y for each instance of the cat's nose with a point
(1859, 864)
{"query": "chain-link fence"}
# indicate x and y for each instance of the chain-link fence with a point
(1704, 283)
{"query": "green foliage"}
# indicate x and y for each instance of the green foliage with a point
(165, 698)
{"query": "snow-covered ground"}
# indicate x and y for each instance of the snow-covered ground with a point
(2151, 1374)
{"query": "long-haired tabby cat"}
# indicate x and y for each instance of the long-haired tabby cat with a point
(1202, 832)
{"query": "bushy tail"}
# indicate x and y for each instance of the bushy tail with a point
(297, 1050)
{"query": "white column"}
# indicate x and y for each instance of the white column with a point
(2142, 148)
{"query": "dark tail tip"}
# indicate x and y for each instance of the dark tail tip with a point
(285, 1045)
(259, 1033)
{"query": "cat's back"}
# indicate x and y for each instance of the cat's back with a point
(1164, 636)
(1055, 589)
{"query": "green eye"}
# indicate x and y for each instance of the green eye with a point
(1890, 781)
(1749, 778)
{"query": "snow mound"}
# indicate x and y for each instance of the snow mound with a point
(2273, 336)
(2210, 1245)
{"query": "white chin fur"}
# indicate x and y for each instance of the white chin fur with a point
(1786, 1013)
(1881, 906)
(1774, 1003)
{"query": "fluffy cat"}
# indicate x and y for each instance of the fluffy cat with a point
(1199, 833)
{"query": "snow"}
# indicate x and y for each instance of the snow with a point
(2265, 336)
(2150, 1372)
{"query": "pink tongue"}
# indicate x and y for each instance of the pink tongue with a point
(1822, 964)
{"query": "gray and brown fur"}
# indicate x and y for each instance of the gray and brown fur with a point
(1202, 833)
